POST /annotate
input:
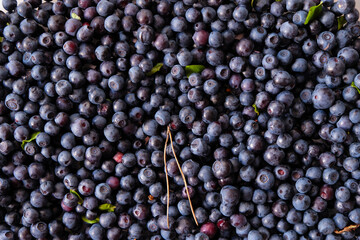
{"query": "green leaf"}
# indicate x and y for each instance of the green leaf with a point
(107, 207)
(75, 16)
(278, 0)
(108, 99)
(256, 109)
(313, 13)
(155, 69)
(1, 39)
(354, 86)
(78, 196)
(90, 221)
(32, 138)
(341, 21)
(190, 69)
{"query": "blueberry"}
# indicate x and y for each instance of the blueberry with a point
(9, 5)
(348, 55)
(282, 79)
(254, 235)
(12, 33)
(301, 201)
(111, 133)
(214, 57)
(230, 195)
(96, 232)
(86, 187)
(322, 97)
(291, 234)
(269, 62)
(326, 226)
(351, 164)
(326, 41)
(343, 6)
(39, 230)
(299, 17)
(215, 39)
(330, 176)
(258, 34)
(338, 135)
(300, 65)
(354, 215)
(334, 67)
(342, 194)
(288, 30)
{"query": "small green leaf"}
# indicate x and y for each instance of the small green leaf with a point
(107, 207)
(78, 196)
(1, 39)
(278, 0)
(341, 21)
(256, 109)
(190, 69)
(155, 69)
(90, 221)
(313, 13)
(75, 16)
(7, 24)
(354, 86)
(108, 99)
(32, 137)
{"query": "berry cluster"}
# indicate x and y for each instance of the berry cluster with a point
(179, 119)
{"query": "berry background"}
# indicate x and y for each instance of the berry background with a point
(272, 197)
(357, 5)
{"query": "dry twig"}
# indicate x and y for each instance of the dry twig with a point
(348, 229)
(168, 135)
(167, 180)
(183, 177)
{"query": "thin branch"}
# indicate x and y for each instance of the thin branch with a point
(347, 229)
(167, 180)
(183, 177)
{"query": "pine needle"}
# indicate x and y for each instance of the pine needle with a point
(167, 180)
(182, 175)
(80, 201)
(107, 207)
(347, 229)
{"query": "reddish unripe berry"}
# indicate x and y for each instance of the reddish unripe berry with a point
(209, 229)
(319, 205)
(118, 156)
(65, 207)
(327, 192)
(223, 224)
(70, 47)
(113, 182)
(237, 220)
(200, 38)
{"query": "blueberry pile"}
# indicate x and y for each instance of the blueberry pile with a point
(110, 108)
